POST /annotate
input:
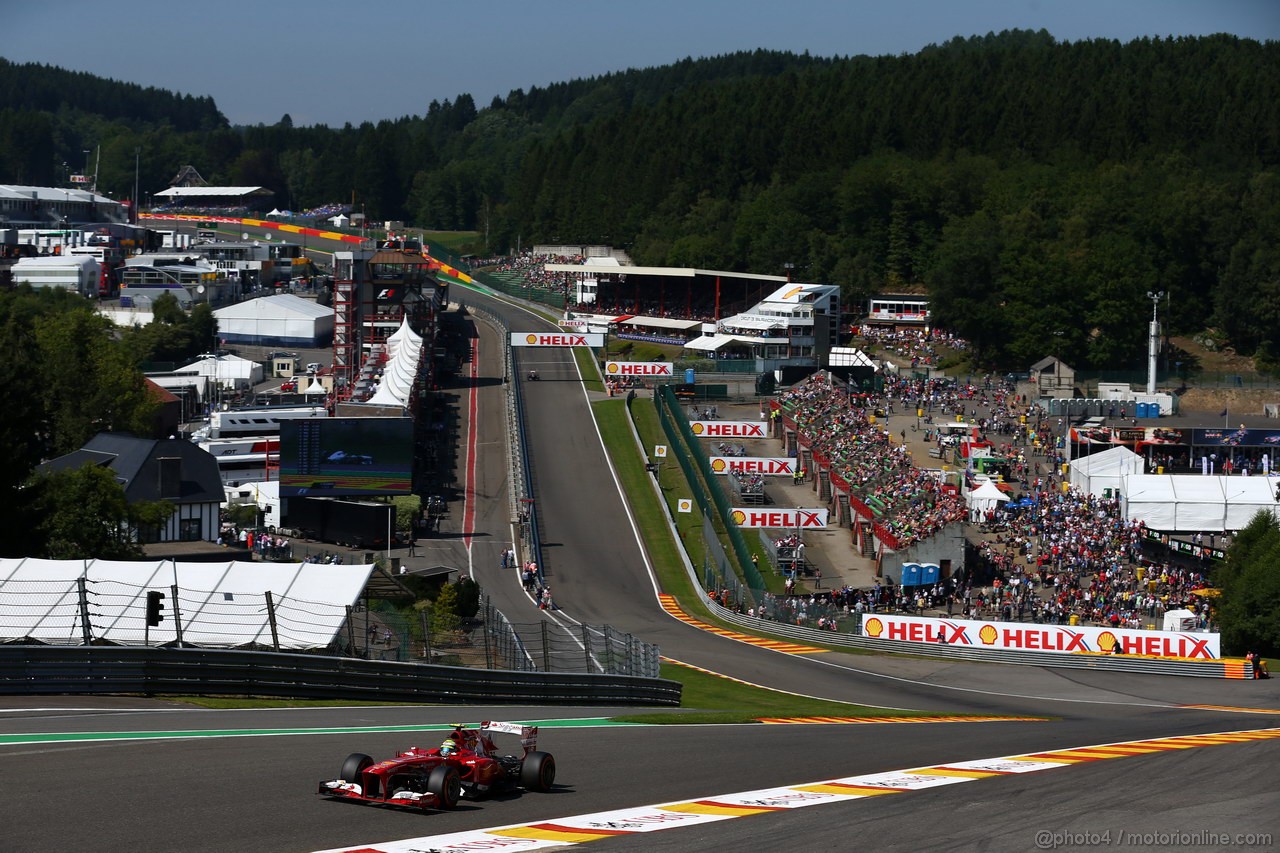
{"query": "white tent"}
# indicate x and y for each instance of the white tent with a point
(284, 320)
(404, 347)
(984, 498)
(227, 370)
(1179, 620)
(1190, 502)
(1096, 473)
(340, 220)
(219, 604)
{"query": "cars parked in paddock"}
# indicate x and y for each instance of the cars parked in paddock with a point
(467, 764)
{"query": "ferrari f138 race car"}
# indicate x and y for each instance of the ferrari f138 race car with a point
(466, 764)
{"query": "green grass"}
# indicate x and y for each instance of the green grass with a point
(722, 700)
(458, 242)
(642, 350)
(586, 359)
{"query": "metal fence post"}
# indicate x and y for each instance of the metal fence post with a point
(607, 663)
(426, 636)
(83, 594)
(586, 646)
(271, 620)
(546, 647)
(488, 647)
(177, 614)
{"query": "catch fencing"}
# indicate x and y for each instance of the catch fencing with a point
(696, 466)
(106, 670)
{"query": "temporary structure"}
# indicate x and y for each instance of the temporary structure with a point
(226, 370)
(224, 605)
(984, 499)
(1099, 472)
(1191, 502)
(284, 320)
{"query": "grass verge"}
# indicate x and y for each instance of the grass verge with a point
(723, 700)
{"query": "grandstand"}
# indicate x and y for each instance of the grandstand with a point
(214, 201)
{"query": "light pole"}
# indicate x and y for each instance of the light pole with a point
(1153, 340)
(137, 155)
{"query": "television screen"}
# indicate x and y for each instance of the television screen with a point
(330, 457)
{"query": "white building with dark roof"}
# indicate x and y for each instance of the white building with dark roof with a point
(168, 469)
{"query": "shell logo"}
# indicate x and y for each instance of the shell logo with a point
(697, 429)
(718, 465)
(988, 634)
(739, 516)
(531, 338)
(612, 368)
(1107, 641)
(873, 627)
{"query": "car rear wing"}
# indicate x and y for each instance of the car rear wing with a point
(528, 734)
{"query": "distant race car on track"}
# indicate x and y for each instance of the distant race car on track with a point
(466, 764)
(340, 457)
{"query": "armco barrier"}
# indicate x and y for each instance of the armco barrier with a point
(1113, 663)
(103, 670)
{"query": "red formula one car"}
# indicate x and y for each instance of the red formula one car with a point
(466, 764)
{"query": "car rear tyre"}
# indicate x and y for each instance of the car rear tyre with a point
(538, 772)
(356, 763)
(446, 784)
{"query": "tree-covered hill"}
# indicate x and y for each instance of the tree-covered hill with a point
(1038, 190)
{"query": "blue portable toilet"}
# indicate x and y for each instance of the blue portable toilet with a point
(1142, 410)
(910, 574)
(928, 573)
(688, 376)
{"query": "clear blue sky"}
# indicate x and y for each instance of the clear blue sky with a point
(329, 62)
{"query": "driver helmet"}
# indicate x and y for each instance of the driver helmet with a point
(449, 747)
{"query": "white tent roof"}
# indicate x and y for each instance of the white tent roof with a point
(714, 342)
(661, 323)
(316, 387)
(54, 262)
(219, 604)
(286, 306)
(404, 347)
(988, 491)
(202, 192)
(1100, 471)
(224, 367)
(1190, 502)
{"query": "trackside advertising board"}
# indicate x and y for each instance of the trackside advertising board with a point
(1029, 637)
(557, 339)
(728, 429)
(754, 516)
(659, 369)
(767, 465)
